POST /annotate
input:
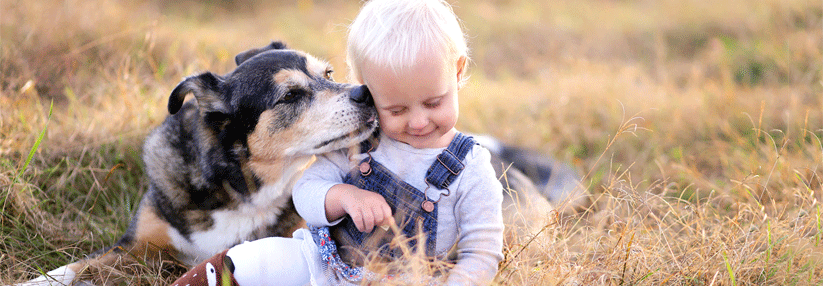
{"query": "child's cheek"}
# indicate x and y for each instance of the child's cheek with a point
(385, 121)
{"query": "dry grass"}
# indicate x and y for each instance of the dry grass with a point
(697, 124)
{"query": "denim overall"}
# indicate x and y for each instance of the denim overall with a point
(343, 248)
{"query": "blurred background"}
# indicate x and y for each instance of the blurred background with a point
(695, 125)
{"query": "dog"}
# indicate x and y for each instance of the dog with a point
(221, 166)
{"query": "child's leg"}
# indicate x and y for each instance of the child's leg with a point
(270, 261)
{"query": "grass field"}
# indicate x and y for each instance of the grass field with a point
(697, 126)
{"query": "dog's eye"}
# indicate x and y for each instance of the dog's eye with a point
(289, 97)
(328, 74)
(292, 96)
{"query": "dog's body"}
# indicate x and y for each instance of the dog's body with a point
(221, 167)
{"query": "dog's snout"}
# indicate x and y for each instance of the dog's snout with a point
(361, 95)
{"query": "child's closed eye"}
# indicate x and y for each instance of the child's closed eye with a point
(433, 103)
(397, 111)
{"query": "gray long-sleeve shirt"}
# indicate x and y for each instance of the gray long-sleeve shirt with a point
(469, 217)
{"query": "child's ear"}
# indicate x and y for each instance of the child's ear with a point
(461, 69)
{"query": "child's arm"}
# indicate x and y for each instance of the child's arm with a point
(309, 192)
(480, 220)
(322, 199)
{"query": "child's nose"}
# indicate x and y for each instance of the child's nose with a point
(418, 120)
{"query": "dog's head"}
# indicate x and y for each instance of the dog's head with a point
(278, 103)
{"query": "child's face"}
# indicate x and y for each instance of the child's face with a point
(417, 106)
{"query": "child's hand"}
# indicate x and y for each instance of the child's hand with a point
(367, 209)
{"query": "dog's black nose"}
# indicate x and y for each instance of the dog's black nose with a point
(361, 95)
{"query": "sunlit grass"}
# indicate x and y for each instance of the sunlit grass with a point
(696, 125)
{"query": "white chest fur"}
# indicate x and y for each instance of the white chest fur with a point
(232, 226)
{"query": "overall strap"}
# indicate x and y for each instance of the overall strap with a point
(449, 163)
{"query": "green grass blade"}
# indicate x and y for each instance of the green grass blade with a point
(36, 145)
(729, 269)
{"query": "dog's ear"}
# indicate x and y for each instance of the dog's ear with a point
(242, 57)
(206, 89)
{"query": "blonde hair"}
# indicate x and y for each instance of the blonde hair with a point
(393, 33)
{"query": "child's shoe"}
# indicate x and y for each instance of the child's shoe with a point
(216, 271)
